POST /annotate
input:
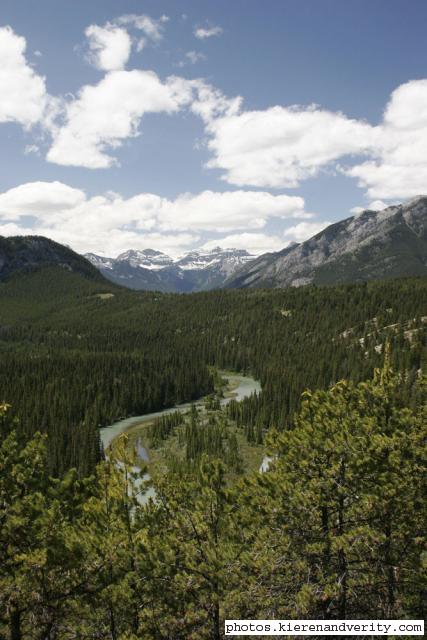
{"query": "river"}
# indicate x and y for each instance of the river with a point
(245, 386)
(242, 386)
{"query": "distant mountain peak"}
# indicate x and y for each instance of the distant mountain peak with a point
(152, 252)
(199, 269)
(145, 258)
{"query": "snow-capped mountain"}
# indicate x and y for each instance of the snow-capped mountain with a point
(226, 260)
(99, 261)
(155, 271)
(147, 259)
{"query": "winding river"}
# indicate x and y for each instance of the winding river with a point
(242, 386)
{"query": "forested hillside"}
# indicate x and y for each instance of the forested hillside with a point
(77, 354)
(334, 529)
(371, 245)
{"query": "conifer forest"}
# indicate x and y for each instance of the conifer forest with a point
(303, 500)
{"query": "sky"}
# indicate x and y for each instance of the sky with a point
(183, 124)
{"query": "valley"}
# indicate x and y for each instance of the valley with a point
(160, 440)
(213, 319)
(367, 246)
(341, 377)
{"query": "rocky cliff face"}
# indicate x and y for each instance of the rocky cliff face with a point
(370, 245)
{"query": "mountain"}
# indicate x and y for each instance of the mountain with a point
(27, 253)
(147, 259)
(155, 271)
(370, 245)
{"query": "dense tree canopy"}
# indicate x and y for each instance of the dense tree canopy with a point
(335, 528)
(77, 354)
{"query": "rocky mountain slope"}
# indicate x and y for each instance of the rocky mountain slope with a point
(154, 270)
(26, 253)
(370, 245)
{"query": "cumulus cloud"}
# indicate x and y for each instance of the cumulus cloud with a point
(23, 96)
(110, 222)
(222, 211)
(305, 230)
(109, 47)
(112, 244)
(105, 114)
(210, 104)
(375, 205)
(255, 243)
(398, 168)
(39, 199)
(207, 32)
(278, 147)
(281, 146)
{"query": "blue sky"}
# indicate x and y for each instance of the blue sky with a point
(189, 123)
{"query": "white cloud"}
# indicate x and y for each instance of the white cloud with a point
(398, 168)
(228, 210)
(386, 180)
(375, 205)
(255, 243)
(39, 199)
(210, 104)
(110, 222)
(277, 147)
(111, 244)
(282, 146)
(105, 114)
(13, 229)
(151, 27)
(192, 57)
(195, 56)
(140, 44)
(305, 230)
(23, 97)
(31, 148)
(109, 47)
(207, 32)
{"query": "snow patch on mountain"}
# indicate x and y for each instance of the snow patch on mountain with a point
(196, 270)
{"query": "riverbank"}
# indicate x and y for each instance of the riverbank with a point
(237, 388)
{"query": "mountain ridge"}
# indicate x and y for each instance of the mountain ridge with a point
(27, 253)
(150, 269)
(368, 245)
